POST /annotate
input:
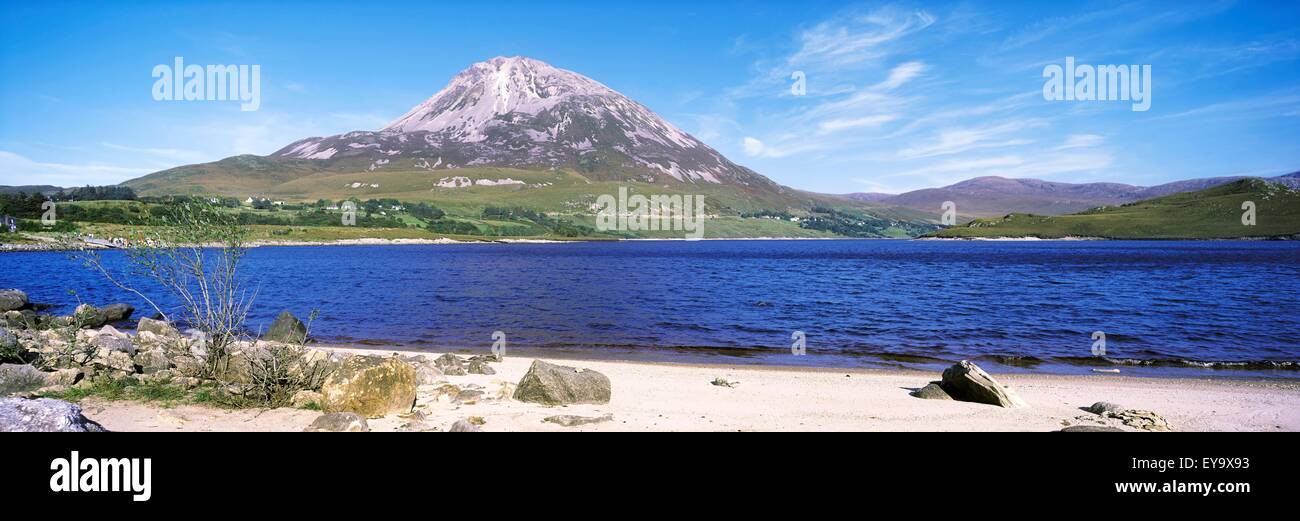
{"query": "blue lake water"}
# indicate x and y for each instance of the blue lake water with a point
(1201, 307)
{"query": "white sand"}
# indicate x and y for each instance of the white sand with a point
(677, 397)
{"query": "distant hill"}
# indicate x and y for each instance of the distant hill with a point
(996, 196)
(27, 189)
(1212, 213)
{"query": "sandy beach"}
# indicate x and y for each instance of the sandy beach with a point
(678, 397)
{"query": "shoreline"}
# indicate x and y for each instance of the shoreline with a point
(656, 396)
(374, 241)
(1159, 369)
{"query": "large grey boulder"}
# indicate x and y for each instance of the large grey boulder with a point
(551, 384)
(286, 329)
(339, 422)
(92, 317)
(12, 300)
(157, 327)
(1105, 408)
(479, 365)
(965, 381)
(152, 361)
(20, 379)
(109, 338)
(43, 415)
(450, 365)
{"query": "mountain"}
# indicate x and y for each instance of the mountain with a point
(523, 113)
(504, 131)
(996, 196)
(29, 189)
(1212, 213)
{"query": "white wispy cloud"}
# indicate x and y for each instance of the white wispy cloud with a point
(901, 74)
(1081, 141)
(173, 154)
(18, 170)
(955, 140)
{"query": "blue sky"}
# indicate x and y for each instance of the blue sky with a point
(899, 95)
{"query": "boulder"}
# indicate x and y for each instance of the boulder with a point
(478, 365)
(64, 377)
(450, 365)
(931, 391)
(304, 398)
(24, 319)
(20, 379)
(464, 426)
(550, 384)
(469, 396)
(338, 422)
(43, 415)
(117, 362)
(157, 327)
(1104, 408)
(569, 420)
(371, 386)
(1145, 420)
(13, 300)
(152, 361)
(93, 317)
(8, 340)
(427, 375)
(286, 329)
(111, 339)
(965, 381)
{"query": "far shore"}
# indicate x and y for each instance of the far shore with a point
(683, 397)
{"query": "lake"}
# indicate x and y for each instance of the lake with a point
(1221, 308)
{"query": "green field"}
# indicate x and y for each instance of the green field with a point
(561, 194)
(1214, 213)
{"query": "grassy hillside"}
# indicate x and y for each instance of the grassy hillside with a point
(1214, 213)
(563, 193)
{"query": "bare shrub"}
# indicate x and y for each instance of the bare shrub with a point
(193, 252)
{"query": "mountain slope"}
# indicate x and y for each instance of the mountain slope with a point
(1213, 213)
(996, 196)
